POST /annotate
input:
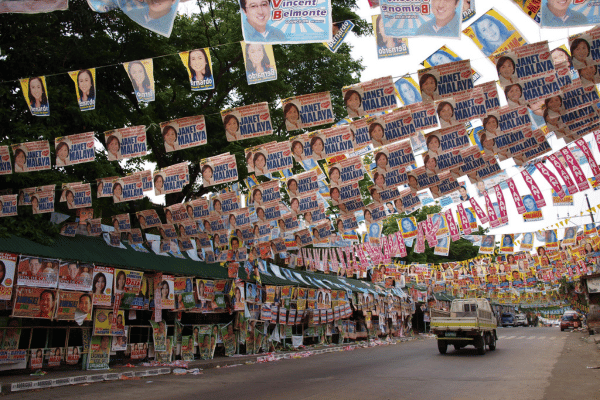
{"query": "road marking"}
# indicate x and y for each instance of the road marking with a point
(531, 337)
(509, 337)
(542, 337)
(521, 337)
(552, 337)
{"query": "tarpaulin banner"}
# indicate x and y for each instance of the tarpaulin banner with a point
(369, 97)
(141, 74)
(74, 149)
(387, 46)
(36, 95)
(171, 179)
(74, 306)
(422, 18)
(307, 111)
(75, 276)
(260, 62)
(493, 33)
(37, 272)
(35, 303)
(99, 356)
(85, 88)
(291, 21)
(184, 133)
(8, 205)
(199, 67)
(126, 142)
(127, 189)
(31, 156)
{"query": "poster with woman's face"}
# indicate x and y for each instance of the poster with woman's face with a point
(238, 299)
(260, 62)
(102, 284)
(31, 156)
(199, 67)
(103, 322)
(74, 149)
(85, 88)
(36, 95)
(128, 281)
(141, 74)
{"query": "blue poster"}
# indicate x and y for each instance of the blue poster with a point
(438, 18)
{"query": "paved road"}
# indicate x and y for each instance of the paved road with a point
(520, 368)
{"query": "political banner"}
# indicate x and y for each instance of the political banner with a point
(576, 170)
(99, 356)
(247, 122)
(126, 143)
(171, 179)
(339, 31)
(491, 168)
(148, 219)
(562, 171)
(387, 46)
(35, 303)
(408, 200)
(532, 212)
(307, 111)
(321, 232)
(422, 18)
(77, 195)
(74, 149)
(8, 261)
(135, 237)
(31, 156)
(490, 93)
(408, 225)
(127, 281)
(104, 186)
(183, 133)
(304, 203)
(443, 143)
(556, 14)
(104, 324)
(442, 247)
(487, 244)
(199, 68)
(536, 193)
(85, 88)
(346, 223)
(5, 164)
(219, 169)
(37, 272)
(164, 284)
(445, 81)
(36, 95)
(393, 126)
(345, 171)
(344, 193)
(423, 117)
(408, 91)
(127, 188)
(331, 142)
(293, 22)
(374, 213)
(369, 97)
(303, 238)
(74, 306)
(196, 209)
(259, 61)
(94, 227)
(493, 34)
(8, 205)
(448, 184)
(75, 276)
(141, 74)
(271, 158)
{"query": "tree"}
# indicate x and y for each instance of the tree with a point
(54, 43)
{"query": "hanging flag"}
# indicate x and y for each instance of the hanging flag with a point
(31, 156)
(387, 46)
(171, 179)
(307, 111)
(259, 61)
(582, 144)
(562, 171)
(422, 18)
(127, 189)
(536, 193)
(183, 133)
(369, 97)
(247, 122)
(199, 67)
(479, 211)
(141, 74)
(85, 88)
(35, 92)
(126, 142)
(551, 178)
(501, 204)
(74, 149)
(580, 179)
(339, 31)
(292, 22)
(5, 165)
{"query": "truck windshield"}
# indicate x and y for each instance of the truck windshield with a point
(470, 307)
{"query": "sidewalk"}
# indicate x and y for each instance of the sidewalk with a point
(56, 378)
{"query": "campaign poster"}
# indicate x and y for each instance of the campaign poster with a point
(148, 219)
(408, 225)
(198, 65)
(31, 156)
(103, 322)
(146, 177)
(125, 142)
(239, 219)
(171, 179)
(8, 262)
(422, 18)
(196, 209)
(259, 60)
(35, 303)
(5, 164)
(307, 111)
(566, 200)
(74, 306)
(272, 157)
(408, 91)
(487, 244)
(127, 281)
(564, 14)
(165, 284)
(369, 97)
(346, 171)
(75, 276)
(344, 193)
(339, 31)
(183, 133)
(8, 205)
(526, 242)
(127, 188)
(490, 93)
(36, 95)
(507, 243)
(442, 246)
(77, 195)
(94, 227)
(85, 88)
(99, 355)
(104, 186)
(135, 237)
(445, 81)
(238, 299)
(443, 147)
(346, 223)
(585, 49)
(394, 156)
(288, 223)
(331, 142)
(37, 272)
(532, 211)
(299, 184)
(551, 239)
(141, 74)
(397, 125)
(303, 238)
(304, 203)
(374, 213)
(387, 46)
(74, 149)
(219, 169)
(286, 22)
(492, 33)
(33, 6)
(119, 343)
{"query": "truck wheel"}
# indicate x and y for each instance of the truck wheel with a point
(480, 344)
(492, 344)
(442, 346)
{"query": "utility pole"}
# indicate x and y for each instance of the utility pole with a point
(590, 208)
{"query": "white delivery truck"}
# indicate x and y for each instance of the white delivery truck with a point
(470, 322)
